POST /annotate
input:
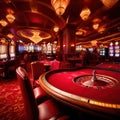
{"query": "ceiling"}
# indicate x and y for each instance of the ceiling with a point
(39, 15)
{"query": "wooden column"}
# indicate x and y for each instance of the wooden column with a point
(66, 42)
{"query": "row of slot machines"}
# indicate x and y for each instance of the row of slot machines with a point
(111, 51)
(4, 52)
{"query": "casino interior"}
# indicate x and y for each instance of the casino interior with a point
(65, 56)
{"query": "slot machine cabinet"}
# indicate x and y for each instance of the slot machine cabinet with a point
(103, 53)
(3, 49)
(111, 52)
(12, 50)
(117, 49)
(117, 52)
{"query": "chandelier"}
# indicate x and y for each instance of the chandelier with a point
(3, 23)
(85, 13)
(60, 6)
(10, 18)
(34, 35)
(36, 38)
(109, 3)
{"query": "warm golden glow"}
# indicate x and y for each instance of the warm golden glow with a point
(116, 43)
(101, 29)
(3, 40)
(96, 23)
(85, 13)
(36, 38)
(109, 3)
(107, 105)
(94, 43)
(95, 26)
(56, 28)
(10, 35)
(3, 23)
(35, 35)
(81, 31)
(10, 18)
(60, 6)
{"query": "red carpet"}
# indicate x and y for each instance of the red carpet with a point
(11, 103)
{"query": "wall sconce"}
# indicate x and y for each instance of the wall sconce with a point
(85, 13)
(60, 6)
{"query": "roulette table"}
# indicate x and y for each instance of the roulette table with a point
(90, 89)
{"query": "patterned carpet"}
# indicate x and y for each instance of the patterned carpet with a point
(11, 102)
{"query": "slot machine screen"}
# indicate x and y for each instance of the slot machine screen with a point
(37, 48)
(49, 48)
(21, 48)
(3, 52)
(102, 52)
(12, 51)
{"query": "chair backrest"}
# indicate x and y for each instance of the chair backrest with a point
(30, 105)
(55, 65)
(37, 68)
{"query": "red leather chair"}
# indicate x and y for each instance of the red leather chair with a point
(55, 65)
(37, 68)
(47, 110)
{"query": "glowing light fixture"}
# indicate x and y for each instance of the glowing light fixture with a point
(56, 28)
(60, 6)
(85, 13)
(81, 31)
(36, 38)
(117, 43)
(10, 35)
(3, 23)
(101, 29)
(96, 23)
(109, 3)
(10, 18)
(94, 43)
(34, 35)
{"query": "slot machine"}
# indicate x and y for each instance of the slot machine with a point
(117, 49)
(3, 49)
(12, 50)
(101, 52)
(111, 50)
